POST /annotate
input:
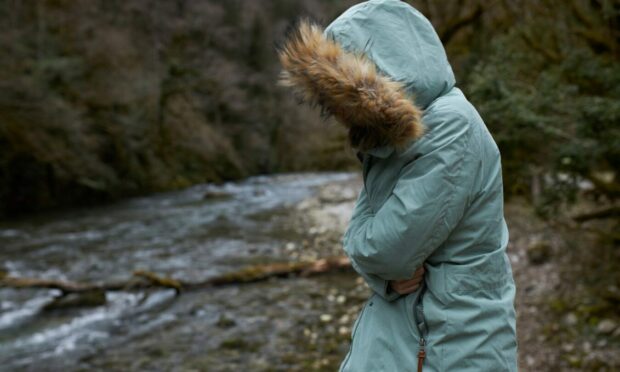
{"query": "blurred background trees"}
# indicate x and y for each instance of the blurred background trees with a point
(103, 99)
(548, 88)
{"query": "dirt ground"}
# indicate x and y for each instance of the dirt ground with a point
(562, 325)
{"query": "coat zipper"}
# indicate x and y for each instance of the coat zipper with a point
(422, 328)
(421, 354)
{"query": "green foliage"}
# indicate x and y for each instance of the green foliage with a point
(553, 105)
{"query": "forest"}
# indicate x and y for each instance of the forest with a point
(106, 99)
(110, 106)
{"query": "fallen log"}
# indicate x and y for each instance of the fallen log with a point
(603, 213)
(259, 273)
(143, 280)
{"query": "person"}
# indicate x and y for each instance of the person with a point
(432, 194)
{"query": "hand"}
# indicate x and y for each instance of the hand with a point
(404, 287)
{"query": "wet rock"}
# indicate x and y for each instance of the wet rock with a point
(337, 194)
(239, 344)
(225, 322)
(539, 252)
(530, 361)
(216, 195)
(259, 192)
(73, 300)
(606, 326)
(570, 319)
(601, 343)
(568, 348)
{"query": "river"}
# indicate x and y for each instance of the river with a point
(266, 326)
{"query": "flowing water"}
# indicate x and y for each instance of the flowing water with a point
(182, 234)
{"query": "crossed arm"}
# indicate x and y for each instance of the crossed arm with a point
(387, 247)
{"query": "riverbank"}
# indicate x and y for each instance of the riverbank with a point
(561, 324)
(291, 324)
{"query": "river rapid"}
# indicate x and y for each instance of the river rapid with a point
(194, 234)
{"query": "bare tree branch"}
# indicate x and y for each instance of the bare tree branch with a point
(452, 28)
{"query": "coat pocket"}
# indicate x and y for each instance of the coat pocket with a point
(487, 277)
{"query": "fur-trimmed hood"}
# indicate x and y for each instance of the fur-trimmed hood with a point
(375, 68)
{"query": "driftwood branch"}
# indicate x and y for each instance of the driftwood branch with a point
(603, 213)
(142, 280)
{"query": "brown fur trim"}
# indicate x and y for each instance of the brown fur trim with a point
(375, 108)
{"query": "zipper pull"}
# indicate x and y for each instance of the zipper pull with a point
(421, 354)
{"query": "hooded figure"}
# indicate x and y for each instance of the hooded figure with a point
(432, 192)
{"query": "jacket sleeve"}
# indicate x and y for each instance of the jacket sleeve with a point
(425, 205)
(377, 284)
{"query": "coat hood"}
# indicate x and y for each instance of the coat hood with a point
(374, 68)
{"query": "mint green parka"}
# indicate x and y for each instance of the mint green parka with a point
(436, 202)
